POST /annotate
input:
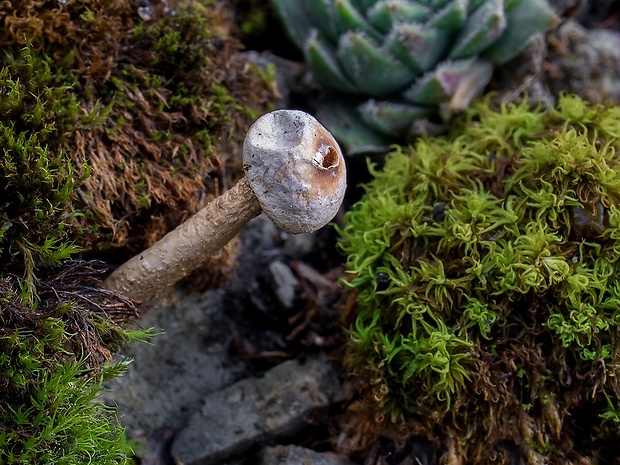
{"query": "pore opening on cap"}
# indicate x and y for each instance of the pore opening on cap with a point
(327, 157)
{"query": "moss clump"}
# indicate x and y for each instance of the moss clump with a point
(117, 121)
(37, 182)
(487, 271)
(173, 102)
(56, 340)
(57, 327)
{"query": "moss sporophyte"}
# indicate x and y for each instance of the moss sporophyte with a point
(486, 267)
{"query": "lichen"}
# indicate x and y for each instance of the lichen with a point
(485, 265)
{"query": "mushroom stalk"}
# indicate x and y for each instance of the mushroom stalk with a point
(295, 173)
(147, 275)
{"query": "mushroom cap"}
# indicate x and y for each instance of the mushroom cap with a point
(296, 170)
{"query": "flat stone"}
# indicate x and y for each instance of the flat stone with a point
(295, 455)
(169, 377)
(256, 411)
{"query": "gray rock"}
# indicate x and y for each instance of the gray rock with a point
(256, 411)
(169, 377)
(572, 59)
(295, 455)
(298, 245)
(285, 283)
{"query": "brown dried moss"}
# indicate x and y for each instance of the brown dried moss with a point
(174, 99)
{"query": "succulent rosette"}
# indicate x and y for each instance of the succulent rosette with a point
(400, 60)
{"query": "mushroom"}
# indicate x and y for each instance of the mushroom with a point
(294, 172)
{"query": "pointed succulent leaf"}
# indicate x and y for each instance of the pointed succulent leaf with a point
(482, 28)
(474, 4)
(359, 4)
(384, 14)
(371, 69)
(392, 118)
(321, 13)
(294, 16)
(470, 87)
(345, 123)
(437, 4)
(350, 19)
(451, 17)
(441, 84)
(418, 47)
(364, 5)
(525, 18)
(321, 59)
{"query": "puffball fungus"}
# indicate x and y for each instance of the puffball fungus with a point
(298, 176)
(295, 172)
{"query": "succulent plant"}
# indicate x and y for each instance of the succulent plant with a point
(406, 59)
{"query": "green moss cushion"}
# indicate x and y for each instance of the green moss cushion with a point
(486, 266)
